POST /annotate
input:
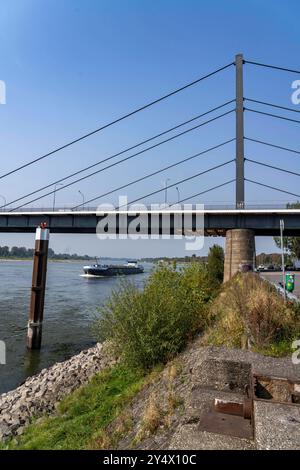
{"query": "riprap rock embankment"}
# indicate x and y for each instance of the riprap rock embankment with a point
(40, 394)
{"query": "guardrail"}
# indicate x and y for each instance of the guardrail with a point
(69, 207)
(280, 291)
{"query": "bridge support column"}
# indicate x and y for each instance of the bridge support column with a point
(239, 251)
(36, 312)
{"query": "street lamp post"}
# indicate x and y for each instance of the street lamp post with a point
(82, 195)
(282, 256)
(178, 194)
(166, 190)
(4, 199)
(54, 194)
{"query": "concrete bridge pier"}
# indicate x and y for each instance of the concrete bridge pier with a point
(239, 251)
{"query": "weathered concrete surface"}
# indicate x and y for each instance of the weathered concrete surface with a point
(277, 426)
(239, 250)
(206, 373)
(189, 437)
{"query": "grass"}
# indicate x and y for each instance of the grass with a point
(84, 415)
(152, 416)
(249, 314)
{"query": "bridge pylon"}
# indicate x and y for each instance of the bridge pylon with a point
(239, 157)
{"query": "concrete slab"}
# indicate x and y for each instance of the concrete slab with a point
(224, 375)
(189, 437)
(276, 426)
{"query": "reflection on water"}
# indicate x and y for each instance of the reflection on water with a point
(70, 307)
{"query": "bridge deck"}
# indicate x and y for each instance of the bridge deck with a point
(216, 222)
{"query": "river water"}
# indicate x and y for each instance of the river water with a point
(70, 308)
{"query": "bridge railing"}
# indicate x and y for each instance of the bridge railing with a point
(68, 208)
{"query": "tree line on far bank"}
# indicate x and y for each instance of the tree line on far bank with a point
(23, 252)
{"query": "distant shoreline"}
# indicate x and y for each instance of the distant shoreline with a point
(58, 260)
(61, 260)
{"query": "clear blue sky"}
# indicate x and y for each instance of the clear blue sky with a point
(70, 66)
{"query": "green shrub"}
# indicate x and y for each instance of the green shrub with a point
(151, 326)
(215, 263)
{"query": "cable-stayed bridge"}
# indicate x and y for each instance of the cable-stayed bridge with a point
(239, 224)
(238, 166)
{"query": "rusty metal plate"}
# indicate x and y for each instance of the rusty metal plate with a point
(228, 407)
(221, 423)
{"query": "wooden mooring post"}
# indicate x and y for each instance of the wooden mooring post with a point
(36, 312)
